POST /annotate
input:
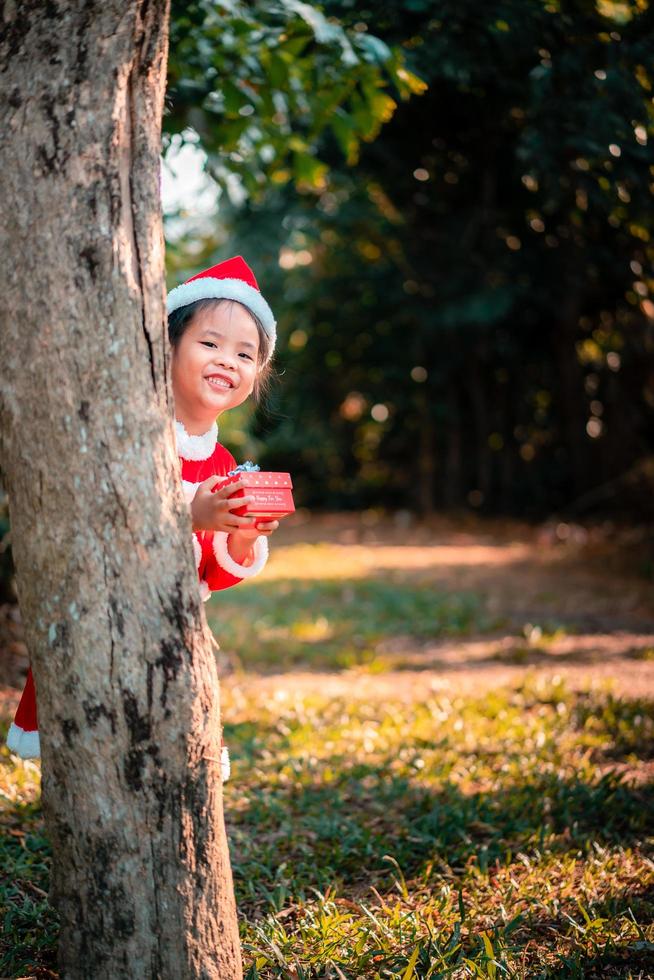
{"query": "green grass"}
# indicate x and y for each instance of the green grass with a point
(496, 835)
(335, 623)
(28, 931)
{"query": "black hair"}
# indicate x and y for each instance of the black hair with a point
(180, 320)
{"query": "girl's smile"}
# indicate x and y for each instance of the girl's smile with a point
(220, 381)
(214, 365)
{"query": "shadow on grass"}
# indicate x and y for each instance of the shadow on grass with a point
(299, 829)
(306, 833)
(514, 655)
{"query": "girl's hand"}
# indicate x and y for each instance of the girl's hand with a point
(265, 527)
(213, 511)
(241, 542)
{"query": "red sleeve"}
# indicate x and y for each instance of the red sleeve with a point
(211, 572)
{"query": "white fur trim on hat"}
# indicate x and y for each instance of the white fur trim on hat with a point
(226, 561)
(207, 287)
(25, 744)
(195, 447)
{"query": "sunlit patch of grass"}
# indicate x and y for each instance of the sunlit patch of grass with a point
(616, 728)
(334, 623)
(320, 560)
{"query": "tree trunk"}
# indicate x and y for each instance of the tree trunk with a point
(572, 401)
(426, 451)
(122, 658)
(480, 413)
(452, 489)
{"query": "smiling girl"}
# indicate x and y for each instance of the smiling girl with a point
(222, 334)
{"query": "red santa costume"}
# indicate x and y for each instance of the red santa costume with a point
(201, 456)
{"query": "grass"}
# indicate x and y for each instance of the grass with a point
(335, 623)
(480, 836)
(29, 925)
(504, 833)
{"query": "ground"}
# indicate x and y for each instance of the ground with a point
(442, 742)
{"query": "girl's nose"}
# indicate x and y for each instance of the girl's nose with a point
(226, 359)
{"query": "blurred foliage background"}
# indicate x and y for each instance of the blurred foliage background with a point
(449, 208)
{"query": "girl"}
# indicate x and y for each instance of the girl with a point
(222, 335)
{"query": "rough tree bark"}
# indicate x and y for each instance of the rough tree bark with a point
(122, 659)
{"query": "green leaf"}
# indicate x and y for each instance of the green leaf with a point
(278, 71)
(408, 973)
(308, 170)
(375, 50)
(233, 97)
(488, 948)
(343, 127)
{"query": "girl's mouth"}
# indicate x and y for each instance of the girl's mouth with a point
(216, 381)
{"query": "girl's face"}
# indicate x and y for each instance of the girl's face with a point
(214, 364)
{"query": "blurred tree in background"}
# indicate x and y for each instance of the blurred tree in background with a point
(449, 208)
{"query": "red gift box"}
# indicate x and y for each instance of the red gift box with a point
(271, 491)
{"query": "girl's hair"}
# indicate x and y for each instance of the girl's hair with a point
(180, 320)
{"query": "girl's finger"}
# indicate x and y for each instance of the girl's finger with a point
(210, 483)
(237, 521)
(234, 520)
(229, 488)
(224, 503)
(229, 525)
(237, 502)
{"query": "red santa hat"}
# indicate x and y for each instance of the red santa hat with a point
(232, 279)
(23, 735)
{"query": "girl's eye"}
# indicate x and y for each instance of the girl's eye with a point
(243, 354)
(207, 343)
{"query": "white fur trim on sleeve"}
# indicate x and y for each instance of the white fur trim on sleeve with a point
(205, 591)
(226, 561)
(25, 744)
(197, 551)
(189, 490)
